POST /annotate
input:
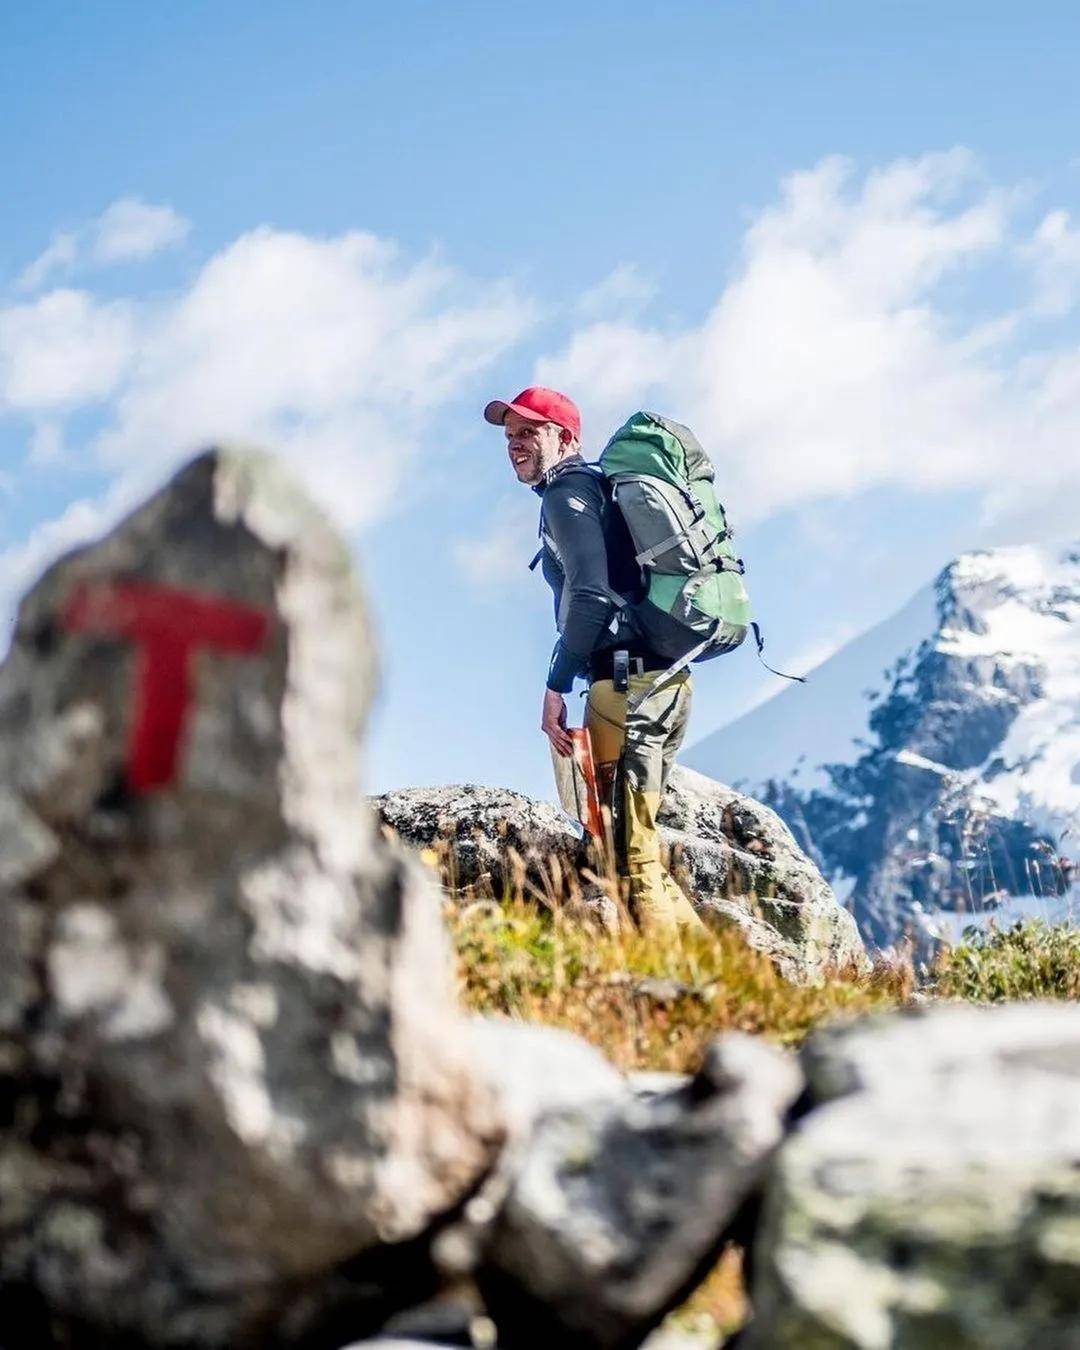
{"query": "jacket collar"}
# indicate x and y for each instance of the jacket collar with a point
(555, 471)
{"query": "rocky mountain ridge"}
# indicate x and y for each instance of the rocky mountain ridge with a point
(932, 766)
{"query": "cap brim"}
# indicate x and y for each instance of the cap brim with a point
(496, 411)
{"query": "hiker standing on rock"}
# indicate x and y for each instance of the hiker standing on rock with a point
(589, 562)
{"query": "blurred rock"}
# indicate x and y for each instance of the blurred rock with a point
(616, 1209)
(533, 1069)
(229, 1054)
(931, 1197)
(396, 1343)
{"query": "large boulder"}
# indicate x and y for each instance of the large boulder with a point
(931, 1196)
(735, 858)
(742, 865)
(492, 838)
(618, 1205)
(230, 1059)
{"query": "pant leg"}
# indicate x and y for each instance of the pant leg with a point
(605, 719)
(672, 745)
(677, 733)
(650, 739)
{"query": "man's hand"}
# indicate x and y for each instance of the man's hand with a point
(553, 722)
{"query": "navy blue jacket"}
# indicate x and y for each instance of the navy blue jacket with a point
(588, 561)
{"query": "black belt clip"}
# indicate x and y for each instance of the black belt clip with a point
(620, 671)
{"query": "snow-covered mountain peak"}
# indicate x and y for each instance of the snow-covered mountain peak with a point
(1008, 601)
(958, 719)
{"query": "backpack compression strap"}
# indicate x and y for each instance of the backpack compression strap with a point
(761, 646)
(632, 704)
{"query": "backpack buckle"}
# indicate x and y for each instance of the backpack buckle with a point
(620, 670)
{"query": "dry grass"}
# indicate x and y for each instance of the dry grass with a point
(649, 1001)
(718, 1307)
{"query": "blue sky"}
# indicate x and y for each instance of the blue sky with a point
(840, 239)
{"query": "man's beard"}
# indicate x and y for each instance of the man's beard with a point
(546, 461)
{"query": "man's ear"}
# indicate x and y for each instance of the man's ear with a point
(565, 436)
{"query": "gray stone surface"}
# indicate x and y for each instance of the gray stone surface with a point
(532, 1069)
(229, 1053)
(494, 834)
(743, 866)
(932, 1196)
(736, 859)
(615, 1209)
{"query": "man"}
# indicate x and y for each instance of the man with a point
(588, 561)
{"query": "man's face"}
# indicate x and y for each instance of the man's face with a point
(534, 447)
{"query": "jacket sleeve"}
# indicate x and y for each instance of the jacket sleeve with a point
(572, 516)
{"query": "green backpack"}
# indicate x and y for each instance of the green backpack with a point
(696, 606)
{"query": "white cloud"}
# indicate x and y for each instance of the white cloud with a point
(333, 351)
(338, 353)
(623, 291)
(130, 230)
(46, 444)
(610, 369)
(834, 362)
(1054, 252)
(58, 256)
(499, 559)
(62, 350)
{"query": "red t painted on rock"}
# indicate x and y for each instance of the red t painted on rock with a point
(168, 625)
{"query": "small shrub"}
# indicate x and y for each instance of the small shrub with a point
(1032, 959)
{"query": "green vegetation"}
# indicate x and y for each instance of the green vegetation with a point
(1029, 960)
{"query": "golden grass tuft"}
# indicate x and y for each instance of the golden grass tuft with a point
(648, 1000)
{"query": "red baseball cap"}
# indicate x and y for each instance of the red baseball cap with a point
(539, 405)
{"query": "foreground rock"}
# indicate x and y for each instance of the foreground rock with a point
(616, 1207)
(932, 1196)
(531, 1069)
(229, 1057)
(735, 858)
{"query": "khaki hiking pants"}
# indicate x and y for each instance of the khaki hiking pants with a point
(632, 767)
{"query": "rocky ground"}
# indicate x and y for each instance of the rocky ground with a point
(241, 1105)
(735, 858)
